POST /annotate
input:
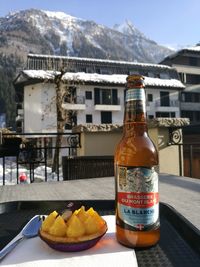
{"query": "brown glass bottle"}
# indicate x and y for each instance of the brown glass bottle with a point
(137, 198)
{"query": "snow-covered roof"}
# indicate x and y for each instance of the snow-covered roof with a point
(195, 49)
(95, 77)
(119, 79)
(158, 66)
(40, 74)
(163, 82)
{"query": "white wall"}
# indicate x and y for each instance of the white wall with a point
(117, 116)
(39, 108)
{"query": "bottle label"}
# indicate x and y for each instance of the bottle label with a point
(135, 102)
(137, 198)
(135, 94)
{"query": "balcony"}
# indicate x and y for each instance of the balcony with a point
(171, 103)
(187, 69)
(76, 103)
(158, 104)
(108, 105)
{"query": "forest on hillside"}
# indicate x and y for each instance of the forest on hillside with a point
(8, 71)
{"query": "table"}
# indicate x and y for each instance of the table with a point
(179, 244)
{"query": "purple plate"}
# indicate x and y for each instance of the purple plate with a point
(72, 247)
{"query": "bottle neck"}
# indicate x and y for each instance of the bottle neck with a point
(135, 111)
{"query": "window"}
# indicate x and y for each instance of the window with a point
(68, 126)
(196, 97)
(70, 96)
(197, 116)
(182, 77)
(82, 69)
(98, 70)
(131, 72)
(88, 118)
(105, 96)
(164, 75)
(193, 61)
(72, 121)
(164, 99)
(89, 70)
(150, 116)
(106, 117)
(194, 116)
(149, 97)
(19, 124)
(183, 97)
(187, 114)
(105, 71)
(88, 95)
(165, 114)
(192, 78)
(151, 74)
(172, 115)
(188, 97)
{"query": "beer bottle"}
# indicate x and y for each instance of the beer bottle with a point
(137, 198)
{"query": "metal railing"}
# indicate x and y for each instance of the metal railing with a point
(32, 155)
(171, 103)
(30, 150)
(87, 167)
(189, 154)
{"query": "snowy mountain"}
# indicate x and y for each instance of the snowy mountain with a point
(57, 33)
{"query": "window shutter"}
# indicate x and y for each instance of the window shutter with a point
(96, 96)
(114, 96)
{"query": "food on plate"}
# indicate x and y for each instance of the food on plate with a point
(69, 228)
(48, 222)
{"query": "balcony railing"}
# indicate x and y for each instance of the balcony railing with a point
(157, 103)
(75, 103)
(75, 100)
(108, 105)
(109, 102)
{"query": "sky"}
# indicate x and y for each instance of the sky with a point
(173, 23)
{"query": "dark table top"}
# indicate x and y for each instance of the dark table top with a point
(179, 244)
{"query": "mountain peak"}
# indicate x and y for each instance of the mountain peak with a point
(59, 15)
(128, 28)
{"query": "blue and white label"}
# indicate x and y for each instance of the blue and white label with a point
(135, 94)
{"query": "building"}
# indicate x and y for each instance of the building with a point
(187, 64)
(97, 91)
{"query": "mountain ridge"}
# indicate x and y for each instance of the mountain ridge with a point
(63, 34)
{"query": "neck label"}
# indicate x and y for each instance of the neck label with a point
(135, 94)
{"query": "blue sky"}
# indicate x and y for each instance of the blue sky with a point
(171, 22)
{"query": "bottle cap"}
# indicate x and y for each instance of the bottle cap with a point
(135, 80)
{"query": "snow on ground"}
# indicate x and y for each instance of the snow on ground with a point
(39, 173)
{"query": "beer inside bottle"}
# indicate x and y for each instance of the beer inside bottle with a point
(136, 158)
